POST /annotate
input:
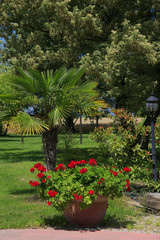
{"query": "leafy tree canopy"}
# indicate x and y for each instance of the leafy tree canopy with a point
(127, 66)
(118, 39)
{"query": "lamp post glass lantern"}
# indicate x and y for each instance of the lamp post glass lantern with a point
(152, 104)
(152, 107)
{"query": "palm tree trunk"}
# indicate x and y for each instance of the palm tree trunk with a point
(49, 140)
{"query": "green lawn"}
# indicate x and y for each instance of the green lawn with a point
(18, 206)
(16, 159)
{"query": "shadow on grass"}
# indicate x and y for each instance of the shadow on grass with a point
(9, 139)
(12, 157)
(25, 191)
(74, 154)
(64, 156)
(9, 149)
(59, 222)
(17, 138)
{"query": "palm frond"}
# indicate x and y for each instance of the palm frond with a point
(5, 116)
(87, 105)
(37, 79)
(70, 78)
(77, 76)
(8, 97)
(65, 77)
(40, 80)
(23, 123)
(58, 75)
(88, 87)
(60, 112)
(47, 77)
(21, 84)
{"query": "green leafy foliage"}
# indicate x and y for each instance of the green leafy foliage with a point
(119, 144)
(125, 66)
(117, 40)
(122, 144)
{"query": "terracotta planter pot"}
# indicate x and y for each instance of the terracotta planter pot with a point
(91, 216)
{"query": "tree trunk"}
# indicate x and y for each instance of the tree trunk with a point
(97, 118)
(80, 128)
(49, 140)
(69, 124)
(5, 131)
(22, 139)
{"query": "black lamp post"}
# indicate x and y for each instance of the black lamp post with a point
(152, 107)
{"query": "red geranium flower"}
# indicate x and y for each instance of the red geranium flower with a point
(115, 173)
(99, 182)
(32, 170)
(127, 180)
(30, 182)
(91, 192)
(78, 162)
(49, 203)
(49, 177)
(102, 179)
(128, 188)
(83, 162)
(77, 197)
(83, 170)
(35, 183)
(126, 169)
(52, 193)
(37, 165)
(44, 180)
(40, 175)
(72, 164)
(41, 169)
(60, 166)
(92, 162)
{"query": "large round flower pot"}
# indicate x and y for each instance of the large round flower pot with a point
(91, 216)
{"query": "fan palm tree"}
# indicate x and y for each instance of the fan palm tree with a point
(46, 100)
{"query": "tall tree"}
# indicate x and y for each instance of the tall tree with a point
(129, 66)
(46, 99)
(46, 34)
